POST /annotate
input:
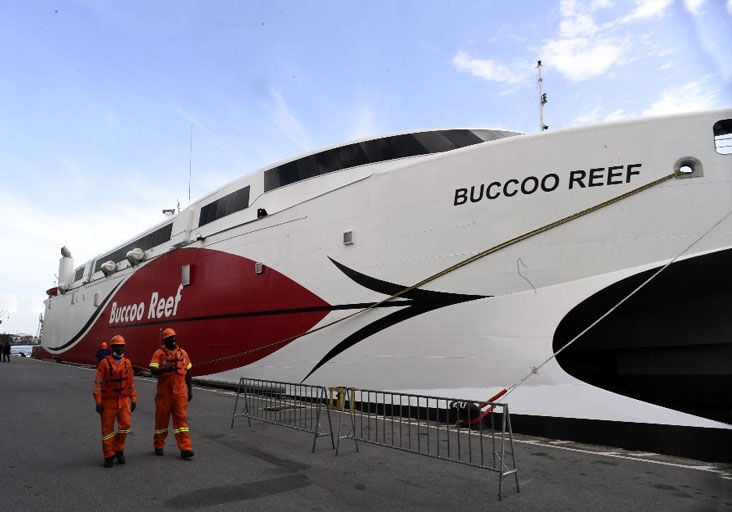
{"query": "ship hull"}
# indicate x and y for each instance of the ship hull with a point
(306, 292)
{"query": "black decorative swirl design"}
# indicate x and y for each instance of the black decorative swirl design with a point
(414, 302)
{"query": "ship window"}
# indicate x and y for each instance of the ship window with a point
(389, 148)
(377, 150)
(146, 242)
(224, 206)
(723, 136)
(436, 142)
(78, 274)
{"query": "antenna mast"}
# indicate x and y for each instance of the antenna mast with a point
(190, 159)
(542, 98)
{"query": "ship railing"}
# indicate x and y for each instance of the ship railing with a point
(448, 429)
(297, 406)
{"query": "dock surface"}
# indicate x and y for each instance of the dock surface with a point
(51, 460)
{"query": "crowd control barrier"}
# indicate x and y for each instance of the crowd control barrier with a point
(442, 428)
(448, 429)
(298, 406)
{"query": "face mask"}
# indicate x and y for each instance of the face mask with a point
(170, 343)
(118, 352)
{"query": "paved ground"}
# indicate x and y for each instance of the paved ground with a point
(50, 460)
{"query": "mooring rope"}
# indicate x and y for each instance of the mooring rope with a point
(535, 369)
(452, 268)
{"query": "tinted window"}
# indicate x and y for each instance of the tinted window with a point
(224, 206)
(146, 242)
(723, 136)
(372, 151)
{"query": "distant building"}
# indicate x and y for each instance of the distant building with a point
(18, 339)
(25, 339)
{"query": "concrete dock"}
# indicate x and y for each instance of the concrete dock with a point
(51, 460)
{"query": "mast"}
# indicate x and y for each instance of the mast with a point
(542, 98)
(190, 168)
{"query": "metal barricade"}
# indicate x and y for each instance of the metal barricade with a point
(296, 406)
(448, 429)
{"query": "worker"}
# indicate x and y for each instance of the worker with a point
(116, 398)
(171, 365)
(102, 352)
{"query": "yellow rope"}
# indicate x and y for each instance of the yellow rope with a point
(456, 266)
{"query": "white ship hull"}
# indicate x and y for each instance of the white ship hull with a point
(342, 241)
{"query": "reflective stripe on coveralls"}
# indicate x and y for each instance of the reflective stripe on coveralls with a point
(171, 398)
(114, 387)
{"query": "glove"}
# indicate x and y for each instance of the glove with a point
(190, 396)
(132, 406)
(169, 368)
(100, 408)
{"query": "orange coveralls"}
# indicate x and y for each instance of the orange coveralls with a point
(172, 397)
(114, 387)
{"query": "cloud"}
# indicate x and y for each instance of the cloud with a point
(489, 69)
(31, 254)
(712, 28)
(589, 117)
(596, 115)
(583, 58)
(616, 115)
(647, 9)
(364, 123)
(286, 120)
(584, 49)
(690, 97)
(199, 126)
(694, 6)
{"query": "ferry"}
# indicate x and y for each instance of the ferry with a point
(584, 273)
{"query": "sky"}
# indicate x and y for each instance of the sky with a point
(111, 111)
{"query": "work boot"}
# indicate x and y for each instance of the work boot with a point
(109, 462)
(158, 452)
(120, 457)
(186, 454)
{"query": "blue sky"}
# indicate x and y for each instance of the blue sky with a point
(98, 99)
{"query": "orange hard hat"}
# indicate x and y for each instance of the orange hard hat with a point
(168, 332)
(117, 340)
(104, 344)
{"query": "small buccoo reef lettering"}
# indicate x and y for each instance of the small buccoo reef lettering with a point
(160, 307)
(579, 178)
